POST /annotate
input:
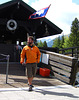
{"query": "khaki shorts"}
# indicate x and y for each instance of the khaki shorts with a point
(31, 69)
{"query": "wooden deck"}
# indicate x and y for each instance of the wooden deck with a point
(17, 77)
(21, 81)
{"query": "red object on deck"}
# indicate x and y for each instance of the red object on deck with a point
(44, 72)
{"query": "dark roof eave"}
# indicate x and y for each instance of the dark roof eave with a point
(4, 5)
(53, 25)
(10, 3)
(28, 7)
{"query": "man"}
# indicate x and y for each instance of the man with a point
(32, 54)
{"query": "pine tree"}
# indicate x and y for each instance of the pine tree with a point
(66, 42)
(74, 36)
(56, 42)
(44, 44)
(62, 42)
(40, 44)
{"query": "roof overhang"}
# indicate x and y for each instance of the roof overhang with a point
(19, 11)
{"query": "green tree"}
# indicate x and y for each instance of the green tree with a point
(25, 42)
(56, 42)
(74, 36)
(44, 44)
(40, 44)
(62, 42)
(66, 42)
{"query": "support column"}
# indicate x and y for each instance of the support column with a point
(34, 36)
(27, 35)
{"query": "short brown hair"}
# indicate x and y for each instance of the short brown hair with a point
(31, 37)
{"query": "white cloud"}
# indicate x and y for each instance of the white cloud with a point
(61, 12)
(3, 1)
(26, 1)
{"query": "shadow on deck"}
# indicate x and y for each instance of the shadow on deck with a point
(17, 77)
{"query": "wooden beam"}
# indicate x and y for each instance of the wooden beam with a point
(62, 66)
(73, 72)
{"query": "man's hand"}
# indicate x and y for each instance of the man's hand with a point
(23, 64)
(36, 62)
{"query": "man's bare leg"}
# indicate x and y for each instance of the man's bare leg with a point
(30, 80)
(30, 83)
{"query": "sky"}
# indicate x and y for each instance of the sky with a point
(61, 12)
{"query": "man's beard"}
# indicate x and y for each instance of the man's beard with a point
(29, 43)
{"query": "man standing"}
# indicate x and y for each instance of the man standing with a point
(32, 54)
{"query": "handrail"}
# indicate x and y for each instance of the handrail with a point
(7, 58)
(72, 51)
(53, 53)
(68, 48)
(3, 55)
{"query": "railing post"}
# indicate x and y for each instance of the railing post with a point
(72, 52)
(7, 68)
(63, 51)
(73, 71)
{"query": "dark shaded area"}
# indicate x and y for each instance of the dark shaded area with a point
(19, 11)
(50, 49)
(9, 49)
(15, 68)
(44, 92)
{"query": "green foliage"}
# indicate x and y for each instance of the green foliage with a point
(62, 41)
(74, 36)
(24, 43)
(72, 40)
(66, 42)
(57, 42)
(42, 44)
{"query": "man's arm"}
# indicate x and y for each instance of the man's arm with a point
(22, 56)
(38, 55)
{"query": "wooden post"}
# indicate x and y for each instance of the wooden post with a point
(34, 36)
(73, 71)
(72, 52)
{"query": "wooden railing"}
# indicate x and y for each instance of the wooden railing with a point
(72, 51)
(63, 67)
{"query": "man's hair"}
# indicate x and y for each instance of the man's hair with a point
(31, 37)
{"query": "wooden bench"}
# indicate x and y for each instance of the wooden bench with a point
(63, 67)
